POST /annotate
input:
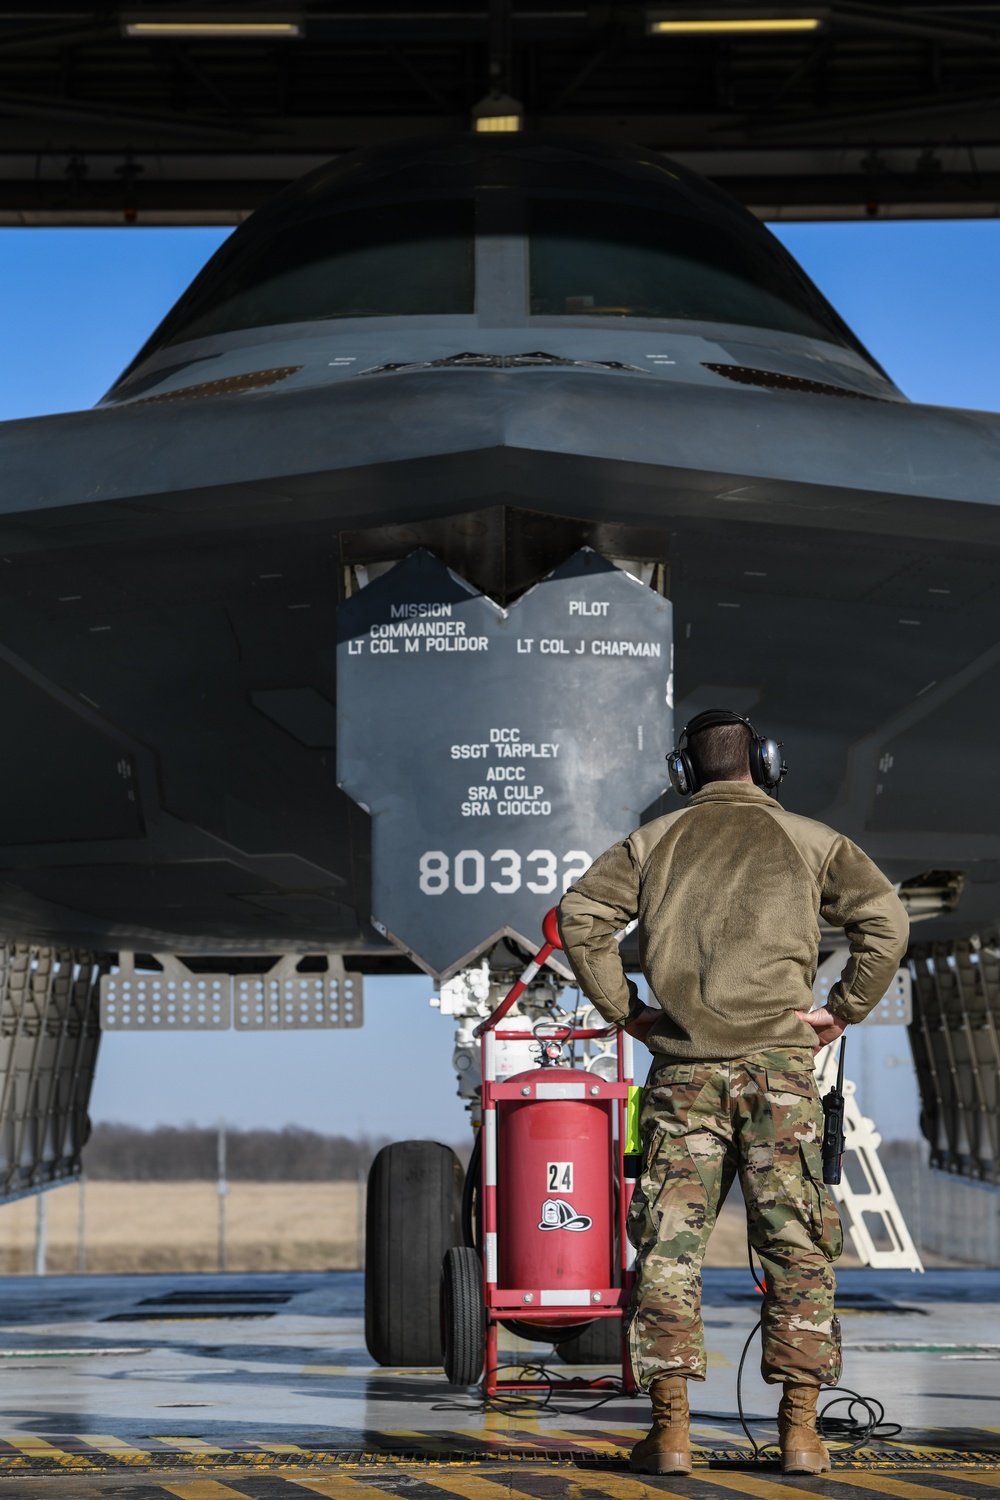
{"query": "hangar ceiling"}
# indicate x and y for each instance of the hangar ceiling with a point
(884, 109)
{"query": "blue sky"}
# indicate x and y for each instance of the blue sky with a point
(75, 306)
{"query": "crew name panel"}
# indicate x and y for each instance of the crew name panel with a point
(498, 751)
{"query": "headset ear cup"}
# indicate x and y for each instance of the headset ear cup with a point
(770, 757)
(690, 774)
(757, 761)
(681, 773)
(765, 762)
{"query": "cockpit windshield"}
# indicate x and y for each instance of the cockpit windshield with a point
(595, 259)
(397, 260)
(588, 257)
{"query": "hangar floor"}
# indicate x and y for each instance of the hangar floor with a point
(260, 1386)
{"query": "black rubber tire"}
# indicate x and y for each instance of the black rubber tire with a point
(463, 1316)
(600, 1343)
(414, 1215)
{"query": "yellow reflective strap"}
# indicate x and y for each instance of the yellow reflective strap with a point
(633, 1140)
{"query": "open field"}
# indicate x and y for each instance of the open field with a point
(270, 1226)
(174, 1226)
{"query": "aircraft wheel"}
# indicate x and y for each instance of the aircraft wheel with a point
(463, 1316)
(543, 1333)
(600, 1343)
(414, 1216)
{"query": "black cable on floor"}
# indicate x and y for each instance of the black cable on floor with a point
(516, 1402)
(757, 1449)
(860, 1430)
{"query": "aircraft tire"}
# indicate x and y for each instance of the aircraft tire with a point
(463, 1316)
(600, 1343)
(413, 1217)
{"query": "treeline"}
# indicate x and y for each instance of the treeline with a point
(186, 1153)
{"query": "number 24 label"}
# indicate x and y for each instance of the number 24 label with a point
(560, 1177)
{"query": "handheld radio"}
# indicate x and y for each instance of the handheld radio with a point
(834, 1140)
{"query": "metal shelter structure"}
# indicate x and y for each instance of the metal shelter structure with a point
(955, 1035)
(884, 108)
(49, 1036)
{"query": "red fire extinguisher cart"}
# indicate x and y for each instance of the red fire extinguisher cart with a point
(553, 1203)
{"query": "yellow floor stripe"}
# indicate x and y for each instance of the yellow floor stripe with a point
(202, 1489)
(190, 1445)
(26, 1442)
(993, 1480)
(902, 1487)
(426, 1441)
(504, 1431)
(117, 1447)
(474, 1487)
(763, 1489)
(337, 1487)
(724, 1435)
(36, 1447)
(620, 1487)
(627, 1437)
(580, 1439)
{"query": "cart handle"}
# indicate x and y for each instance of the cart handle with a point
(550, 931)
(569, 1033)
(575, 1036)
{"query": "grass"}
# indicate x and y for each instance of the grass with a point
(134, 1227)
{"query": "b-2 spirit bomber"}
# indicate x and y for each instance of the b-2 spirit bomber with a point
(356, 618)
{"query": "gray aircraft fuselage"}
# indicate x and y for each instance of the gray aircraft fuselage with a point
(500, 349)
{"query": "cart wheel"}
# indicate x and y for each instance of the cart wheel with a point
(414, 1215)
(600, 1343)
(463, 1315)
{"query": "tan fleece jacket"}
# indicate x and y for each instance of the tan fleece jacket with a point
(727, 892)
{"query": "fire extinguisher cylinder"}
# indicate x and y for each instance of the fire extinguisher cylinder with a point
(555, 1203)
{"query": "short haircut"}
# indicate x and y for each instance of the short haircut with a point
(721, 753)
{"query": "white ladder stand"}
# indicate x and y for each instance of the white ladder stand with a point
(862, 1140)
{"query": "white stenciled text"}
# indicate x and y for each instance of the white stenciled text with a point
(470, 871)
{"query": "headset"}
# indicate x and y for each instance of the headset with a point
(767, 768)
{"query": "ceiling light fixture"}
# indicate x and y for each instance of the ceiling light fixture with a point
(498, 113)
(208, 24)
(674, 21)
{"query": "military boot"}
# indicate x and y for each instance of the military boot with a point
(667, 1449)
(802, 1450)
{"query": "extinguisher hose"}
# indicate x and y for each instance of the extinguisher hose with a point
(469, 1193)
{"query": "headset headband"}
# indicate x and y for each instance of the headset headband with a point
(767, 768)
(712, 718)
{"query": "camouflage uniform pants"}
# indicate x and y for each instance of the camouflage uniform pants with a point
(702, 1124)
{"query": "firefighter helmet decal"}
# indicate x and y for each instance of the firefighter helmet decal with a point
(558, 1214)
